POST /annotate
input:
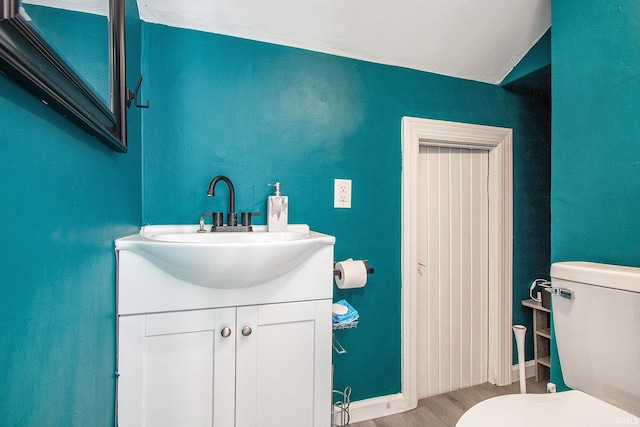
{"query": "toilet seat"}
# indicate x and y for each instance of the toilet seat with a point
(569, 408)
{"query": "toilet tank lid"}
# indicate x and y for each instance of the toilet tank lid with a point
(605, 275)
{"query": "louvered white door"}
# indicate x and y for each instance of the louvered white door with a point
(452, 286)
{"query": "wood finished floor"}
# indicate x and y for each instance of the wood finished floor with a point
(446, 409)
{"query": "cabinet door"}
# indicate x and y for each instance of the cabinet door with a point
(283, 375)
(175, 368)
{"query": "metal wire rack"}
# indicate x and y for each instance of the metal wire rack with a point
(345, 325)
(340, 416)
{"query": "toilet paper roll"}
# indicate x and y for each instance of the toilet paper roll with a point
(353, 274)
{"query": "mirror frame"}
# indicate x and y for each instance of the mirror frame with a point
(29, 60)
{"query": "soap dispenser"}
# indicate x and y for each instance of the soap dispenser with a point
(277, 210)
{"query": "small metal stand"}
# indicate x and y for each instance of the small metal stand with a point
(340, 416)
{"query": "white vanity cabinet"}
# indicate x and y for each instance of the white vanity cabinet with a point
(282, 374)
(175, 368)
(245, 367)
(253, 356)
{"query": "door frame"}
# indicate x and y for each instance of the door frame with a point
(497, 141)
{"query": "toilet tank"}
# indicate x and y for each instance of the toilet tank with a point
(598, 331)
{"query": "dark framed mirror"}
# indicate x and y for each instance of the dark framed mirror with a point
(28, 58)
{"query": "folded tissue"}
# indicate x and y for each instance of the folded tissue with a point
(344, 313)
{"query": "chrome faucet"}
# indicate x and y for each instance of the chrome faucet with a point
(232, 217)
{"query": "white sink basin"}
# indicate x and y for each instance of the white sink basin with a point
(224, 259)
(228, 237)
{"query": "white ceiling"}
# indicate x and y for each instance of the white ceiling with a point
(472, 39)
(97, 7)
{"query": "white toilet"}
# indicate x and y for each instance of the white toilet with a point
(596, 311)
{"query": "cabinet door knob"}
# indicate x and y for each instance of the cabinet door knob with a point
(246, 331)
(225, 332)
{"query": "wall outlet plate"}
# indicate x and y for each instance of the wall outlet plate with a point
(342, 193)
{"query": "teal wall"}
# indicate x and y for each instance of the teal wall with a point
(65, 198)
(596, 133)
(260, 113)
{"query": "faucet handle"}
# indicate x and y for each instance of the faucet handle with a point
(217, 217)
(246, 217)
(232, 218)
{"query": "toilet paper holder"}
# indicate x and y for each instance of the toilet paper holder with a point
(338, 274)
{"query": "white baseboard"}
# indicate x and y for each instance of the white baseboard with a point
(376, 407)
(529, 371)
